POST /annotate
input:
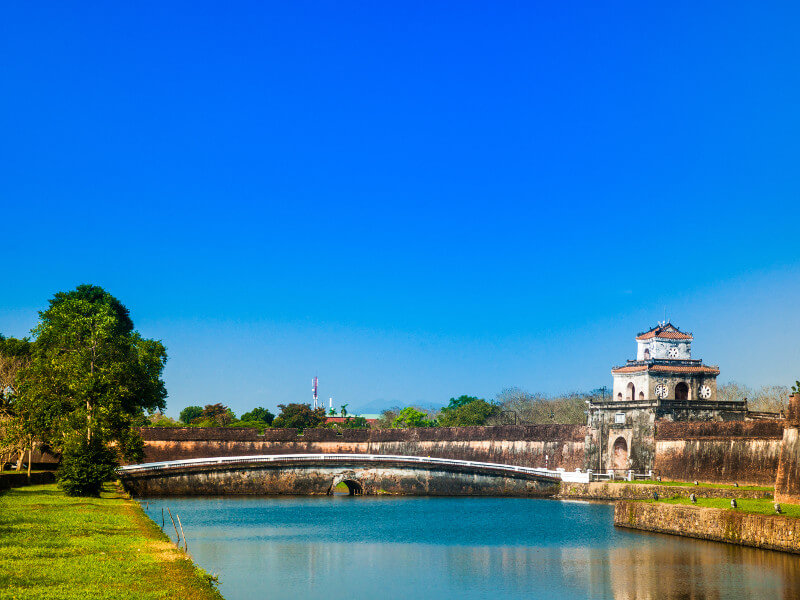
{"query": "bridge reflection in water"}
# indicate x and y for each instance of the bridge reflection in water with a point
(317, 474)
(468, 548)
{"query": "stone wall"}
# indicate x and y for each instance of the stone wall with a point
(787, 482)
(610, 490)
(524, 445)
(770, 532)
(744, 452)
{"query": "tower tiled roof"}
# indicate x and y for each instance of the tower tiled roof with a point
(666, 331)
(668, 369)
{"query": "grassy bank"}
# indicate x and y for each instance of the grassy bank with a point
(761, 507)
(719, 486)
(56, 547)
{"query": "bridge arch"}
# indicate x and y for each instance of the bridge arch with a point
(354, 487)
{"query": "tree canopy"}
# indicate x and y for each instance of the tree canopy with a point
(89, 371)
(466, 411)
(412, 417)
(189, 414)
(299, 416)
(259, 415)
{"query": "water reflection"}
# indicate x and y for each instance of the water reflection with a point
(461, 547)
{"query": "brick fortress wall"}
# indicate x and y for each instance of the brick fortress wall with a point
(787, 482)
(523, 445)
(745, 452)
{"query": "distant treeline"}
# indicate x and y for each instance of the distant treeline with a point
(511, 406)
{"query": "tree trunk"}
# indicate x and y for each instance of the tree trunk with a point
(30, 460)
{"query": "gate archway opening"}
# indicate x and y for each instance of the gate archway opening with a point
(620, 455)
(681, 391)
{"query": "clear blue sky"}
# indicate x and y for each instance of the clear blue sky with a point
(412, 201)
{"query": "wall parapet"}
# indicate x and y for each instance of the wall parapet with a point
(681, 430)
(529, 433)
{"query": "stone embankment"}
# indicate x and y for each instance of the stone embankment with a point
(769, 532)
(608, 490)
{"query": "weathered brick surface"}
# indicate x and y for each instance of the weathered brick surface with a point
(747, 461)
(771, 532)
(744, 452)
(666, 430)
(530, 445)
(787, 482)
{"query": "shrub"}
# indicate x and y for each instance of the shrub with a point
(85, 466)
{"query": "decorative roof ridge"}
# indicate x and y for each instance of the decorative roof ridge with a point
(662, 327)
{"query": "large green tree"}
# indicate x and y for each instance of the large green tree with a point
(299, 416)
(466, 411)
(412, 417)
(258, 415)
(190, 413)
(91, 375)
(16, 436)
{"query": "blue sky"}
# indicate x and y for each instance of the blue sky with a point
(412, 201)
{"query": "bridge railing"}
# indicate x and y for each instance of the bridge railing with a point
(294, 458)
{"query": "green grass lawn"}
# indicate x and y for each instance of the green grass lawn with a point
(722, 486)
(56, 547)
(763, 507)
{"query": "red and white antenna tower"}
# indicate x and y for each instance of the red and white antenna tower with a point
(314, 383)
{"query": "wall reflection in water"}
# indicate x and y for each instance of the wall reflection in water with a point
(462, 548)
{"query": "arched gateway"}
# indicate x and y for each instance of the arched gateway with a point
(620, 453)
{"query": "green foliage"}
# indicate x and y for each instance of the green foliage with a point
(89, 371)
(466, 411)
(412, 417)
(85, 466)
(215, 415)
(460, 401)
(189, 414)
(299, 416)
(16, 347)
(260, 415)
(160, 420)
(796, 387)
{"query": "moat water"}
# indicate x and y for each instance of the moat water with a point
(467, 548)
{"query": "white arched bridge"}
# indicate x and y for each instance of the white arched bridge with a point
(317, 474)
